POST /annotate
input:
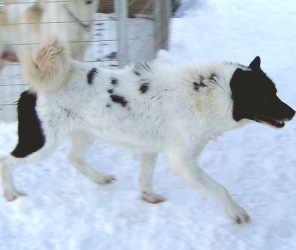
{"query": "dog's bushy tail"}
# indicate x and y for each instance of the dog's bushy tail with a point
(48, 69)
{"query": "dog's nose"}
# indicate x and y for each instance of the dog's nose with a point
(88, 2)
(292, 113)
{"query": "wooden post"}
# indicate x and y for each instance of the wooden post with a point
(121, 12)
(162, 12)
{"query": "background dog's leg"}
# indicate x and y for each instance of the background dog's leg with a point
(78, 50)
(1, 64)
(81, 141)
(147, 164)
(1, 55)
(186, 167)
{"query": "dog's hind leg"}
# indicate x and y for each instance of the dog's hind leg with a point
(80, 142)
(7, 165)
(147, 163)
(34, 143)
(17, 158)
(184, 165)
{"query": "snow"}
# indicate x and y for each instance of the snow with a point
(63, 210)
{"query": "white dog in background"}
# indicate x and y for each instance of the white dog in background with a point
(147, 108)
(25, 23)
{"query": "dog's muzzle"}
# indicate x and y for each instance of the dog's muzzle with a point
(277, 122)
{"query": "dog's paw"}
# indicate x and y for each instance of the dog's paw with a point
(152, 198)
(11, 195)
(106, 179)
(238, 215)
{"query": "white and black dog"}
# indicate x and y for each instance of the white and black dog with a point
(145, 107)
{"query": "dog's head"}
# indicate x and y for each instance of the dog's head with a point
(254, 97)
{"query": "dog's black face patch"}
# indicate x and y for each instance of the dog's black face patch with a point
(254, 97)
(119, 99)
(30, 133)
(90, 75)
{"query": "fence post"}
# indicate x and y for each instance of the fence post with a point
(162, 13)
(121, 10)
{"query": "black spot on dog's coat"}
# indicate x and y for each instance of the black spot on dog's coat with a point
(30, 132)
(213, 77)
(91, 74)
(197, 85)
(144, 88)
(136, 72)
(114, 81)
(110, 91)
(119, 99)
(200, 83)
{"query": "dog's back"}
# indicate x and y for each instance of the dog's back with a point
(143, 97)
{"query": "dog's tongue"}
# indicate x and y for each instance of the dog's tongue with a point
(275, 123)
(272, 122)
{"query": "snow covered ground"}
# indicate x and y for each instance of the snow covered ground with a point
(63, 210)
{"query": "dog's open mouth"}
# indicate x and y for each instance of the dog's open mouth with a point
(270, 121)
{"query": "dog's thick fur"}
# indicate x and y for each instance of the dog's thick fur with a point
(25, 24)
(53, 62)
(145, 107)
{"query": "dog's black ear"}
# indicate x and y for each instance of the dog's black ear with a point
(255, 64)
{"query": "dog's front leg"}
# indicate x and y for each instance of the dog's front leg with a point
(186, 167)
(81, 141)
(147, 164)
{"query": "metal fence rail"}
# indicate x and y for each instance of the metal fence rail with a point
(124, 31)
